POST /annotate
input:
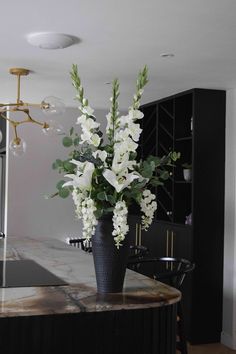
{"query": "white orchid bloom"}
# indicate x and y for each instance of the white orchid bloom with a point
(128, 145)
(120, 181)
(95, 140)
(124, 120)
(86, 137)
(81, 119)
(83, 177)
(87, 110)
(90, 124)
(101, 154)
(121, 135)
(135, 131)
(122, 163)
(135, 114)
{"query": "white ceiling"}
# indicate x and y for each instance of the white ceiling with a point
(117, 38)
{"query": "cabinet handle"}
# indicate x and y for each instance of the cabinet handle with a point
(167, 248)
(172, 248)
(136, 234)
(172, 244)
(140, 235)
(167, 243)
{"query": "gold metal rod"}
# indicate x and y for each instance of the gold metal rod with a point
(15, 131)
(28, 120)
(3, 117)
(21, 103)
(18, 89)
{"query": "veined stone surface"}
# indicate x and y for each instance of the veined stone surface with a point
(76, 268)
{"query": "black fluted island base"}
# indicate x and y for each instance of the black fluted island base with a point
(74, 319)
(149, 331)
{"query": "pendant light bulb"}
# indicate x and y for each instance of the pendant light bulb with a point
(17, 147)
(53, 128)
(52, 105)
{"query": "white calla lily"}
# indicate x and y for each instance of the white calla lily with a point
(120, 181)
(83, 177)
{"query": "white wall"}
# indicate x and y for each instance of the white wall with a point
(229, 300)
(31, 177)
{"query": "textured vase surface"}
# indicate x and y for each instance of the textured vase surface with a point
(109, 262)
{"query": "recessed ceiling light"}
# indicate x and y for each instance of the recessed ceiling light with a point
(167, 55)
(51, 40)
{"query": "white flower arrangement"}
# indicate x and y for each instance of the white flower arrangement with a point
(108, 178)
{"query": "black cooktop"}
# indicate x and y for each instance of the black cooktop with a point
(26, 273)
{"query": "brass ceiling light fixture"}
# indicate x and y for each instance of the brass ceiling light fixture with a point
(50, 105)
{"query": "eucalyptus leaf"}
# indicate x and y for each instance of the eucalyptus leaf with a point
(54, 166)
(164, 175)
(76, 141)
(102, 196)
(67, 141)
(98, 213)
(111, 199)
(68, 166)
(71, 131)
(60, 184)
(64, 192)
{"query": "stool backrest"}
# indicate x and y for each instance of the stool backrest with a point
(166, 269)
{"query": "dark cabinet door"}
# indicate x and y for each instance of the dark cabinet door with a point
(182, 241)
(168, 240)
(155, 239)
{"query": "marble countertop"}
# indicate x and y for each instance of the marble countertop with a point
(76, 268)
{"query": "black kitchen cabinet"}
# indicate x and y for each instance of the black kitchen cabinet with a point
(192, 123)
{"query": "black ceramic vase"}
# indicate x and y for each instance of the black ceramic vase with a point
(109, 262)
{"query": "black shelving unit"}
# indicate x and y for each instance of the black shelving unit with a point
(192, 123)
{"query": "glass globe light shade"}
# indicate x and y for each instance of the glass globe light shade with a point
(17, 147)
(54, 128)
(52, 105)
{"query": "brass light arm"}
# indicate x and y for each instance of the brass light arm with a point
(17, 145)
(21, 103)
(15, 133)
(18, 89)
(28, 120)
(32, 120)
(8, 119)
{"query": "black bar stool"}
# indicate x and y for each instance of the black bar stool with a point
(81, 243)
(173, 272)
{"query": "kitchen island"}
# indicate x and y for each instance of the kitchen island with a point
(73, 318)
